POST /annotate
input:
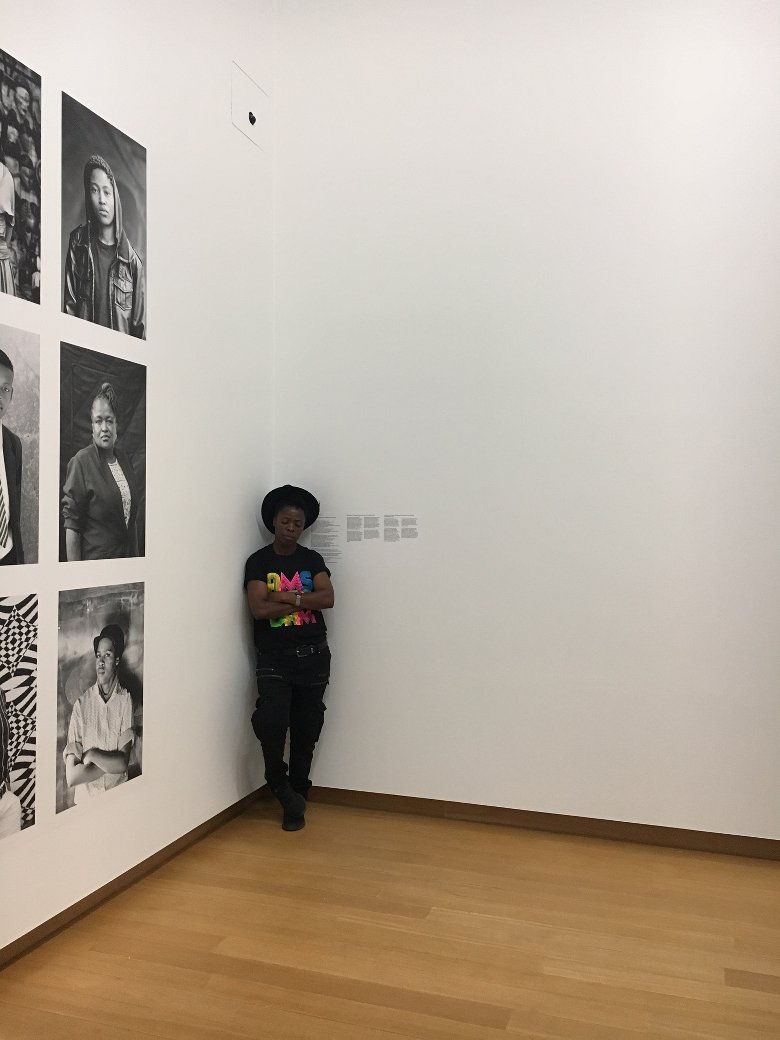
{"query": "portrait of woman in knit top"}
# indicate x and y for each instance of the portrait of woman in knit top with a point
(102, 481)
(100, 496)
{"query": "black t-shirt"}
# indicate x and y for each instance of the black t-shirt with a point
(293, 573)
(104, 256)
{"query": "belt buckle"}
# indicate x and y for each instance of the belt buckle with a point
(303, 651)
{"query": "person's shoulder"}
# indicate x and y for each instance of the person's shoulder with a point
(314, 559)
(12, 438)
(86, 454)
(121, 456)
(126, 251)
(82, 699)
(309, 551)
(259, 556)
(79, 235)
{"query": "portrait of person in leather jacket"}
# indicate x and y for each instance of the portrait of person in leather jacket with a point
(104, 276)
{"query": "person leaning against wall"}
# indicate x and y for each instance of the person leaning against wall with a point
(288, 586)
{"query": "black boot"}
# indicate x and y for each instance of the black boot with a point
(293, 804)
(293, 823)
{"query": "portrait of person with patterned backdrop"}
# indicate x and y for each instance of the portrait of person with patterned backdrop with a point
(18, 698)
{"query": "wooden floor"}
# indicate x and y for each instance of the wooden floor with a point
(370, 925)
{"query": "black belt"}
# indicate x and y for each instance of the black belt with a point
(299, 651)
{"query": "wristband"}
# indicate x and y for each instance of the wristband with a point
(297, 599)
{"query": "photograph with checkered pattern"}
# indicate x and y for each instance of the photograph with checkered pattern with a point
(18, 697)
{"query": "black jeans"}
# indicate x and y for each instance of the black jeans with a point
(290, 691)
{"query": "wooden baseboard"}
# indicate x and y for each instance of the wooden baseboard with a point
(49, 928)
(614, 830)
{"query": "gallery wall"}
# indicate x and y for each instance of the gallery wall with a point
(201, 374)
(525, 267)
(527, 290)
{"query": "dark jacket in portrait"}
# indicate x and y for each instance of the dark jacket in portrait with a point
(126, 283)
(92, 505)
(12, 456)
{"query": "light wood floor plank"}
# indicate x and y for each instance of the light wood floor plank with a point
(374, 926)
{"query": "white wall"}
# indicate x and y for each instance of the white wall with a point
(162, 75)
(527, 266)
(527, 286)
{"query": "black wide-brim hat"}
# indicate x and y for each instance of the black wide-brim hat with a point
(289, 495)
(117, 637)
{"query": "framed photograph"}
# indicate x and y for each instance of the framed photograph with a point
(18, 700)
(103, 222)
(102, 456)
(19, 462)
(99, 691)
(20, 179)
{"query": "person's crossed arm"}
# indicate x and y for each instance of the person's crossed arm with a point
(264, 604)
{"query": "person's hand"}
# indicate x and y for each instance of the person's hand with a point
(282, 597)
(87, 758)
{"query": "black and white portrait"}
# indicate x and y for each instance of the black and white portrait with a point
(20, 426)
(100, 691)
(18, 697)
(102, 456)
(103, 222)
(20, 179)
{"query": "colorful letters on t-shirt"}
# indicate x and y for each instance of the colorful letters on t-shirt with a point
(301, 581)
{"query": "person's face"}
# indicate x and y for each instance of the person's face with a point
(6, 389)
(5, 94)
(288, 526)
(22, 100)
(103, 424)
(105, 662)
(101, 195)
(13, 133)
(27, 175)
(27, 141)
